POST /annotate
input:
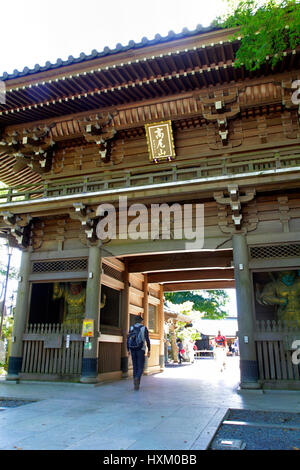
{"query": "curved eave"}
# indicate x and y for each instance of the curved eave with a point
(111, 80)
(11, 178)
(132, 46)
(105, 88)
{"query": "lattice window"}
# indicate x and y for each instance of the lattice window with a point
(78, 264)
(275, 251)
(114, 273)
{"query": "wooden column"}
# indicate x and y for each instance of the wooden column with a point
(20, 319)
(146, 317)
(174, 349)
(125, 322)
(248, 359)
(89, 372)
(161, 321)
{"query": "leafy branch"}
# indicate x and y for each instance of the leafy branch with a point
(209, 305)
(267, 29)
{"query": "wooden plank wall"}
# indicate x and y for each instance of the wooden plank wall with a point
(109, 357)
(56, 361)
(136, 307)
(274, 352)
(194, 140)
(276, 213)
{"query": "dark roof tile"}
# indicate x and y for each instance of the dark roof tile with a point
(107, 51)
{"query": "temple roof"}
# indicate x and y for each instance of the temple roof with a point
(165, 68)
(132, 45)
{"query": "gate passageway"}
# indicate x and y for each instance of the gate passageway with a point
(180, 408)
(206, 371)
(203, 380)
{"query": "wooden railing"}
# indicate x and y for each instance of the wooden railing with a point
(275, 343)
(52, 350)
(179, 172)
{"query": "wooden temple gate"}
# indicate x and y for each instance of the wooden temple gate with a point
(76, 135)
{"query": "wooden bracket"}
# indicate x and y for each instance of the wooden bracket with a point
(234, 198)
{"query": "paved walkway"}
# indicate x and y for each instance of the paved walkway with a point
(179, 409)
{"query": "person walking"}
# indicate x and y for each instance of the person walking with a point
(220, 351)
(180, 349)
(137, 339)
(236, 346)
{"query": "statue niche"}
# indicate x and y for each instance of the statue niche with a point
(74, 296)
(283, 293)
(59, 302)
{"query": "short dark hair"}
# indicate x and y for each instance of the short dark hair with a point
(139, 319)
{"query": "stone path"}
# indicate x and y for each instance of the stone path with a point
(180, 408)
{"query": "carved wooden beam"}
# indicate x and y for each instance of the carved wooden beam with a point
(219, 109)
(289, 92)
(31, 147)
(234, 199)
(88, 220)
(20, 227)
(98, 128)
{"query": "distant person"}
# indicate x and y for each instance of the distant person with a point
(137, 339)
(180, 350)
(220, 351)
(236, 346)
(191, 351)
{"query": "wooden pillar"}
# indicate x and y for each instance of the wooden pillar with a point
(20, 319)
(125, 322)
(174, 349)
(90, 360)
(248, 359)
(146, 316)
(161, 320)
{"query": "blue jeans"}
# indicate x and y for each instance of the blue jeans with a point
(138, 362)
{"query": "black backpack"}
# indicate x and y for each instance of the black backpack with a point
(135, 340)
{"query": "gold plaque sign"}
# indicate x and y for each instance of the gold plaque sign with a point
(160, 141)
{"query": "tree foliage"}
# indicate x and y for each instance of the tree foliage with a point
(13, 272)
(267, 29)
(210, 303)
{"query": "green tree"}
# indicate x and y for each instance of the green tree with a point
(267, 29)
(209, 303)
(6, 334)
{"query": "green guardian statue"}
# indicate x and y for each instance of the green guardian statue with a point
(74, 295)
(283, 292)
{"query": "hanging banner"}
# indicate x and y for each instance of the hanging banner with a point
(87, 328)
(160, 141)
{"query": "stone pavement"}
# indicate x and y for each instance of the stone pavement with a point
(179, 409)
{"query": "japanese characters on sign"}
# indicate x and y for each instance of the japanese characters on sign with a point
(160, 141)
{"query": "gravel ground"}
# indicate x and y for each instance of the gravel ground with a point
(12, 403)
(260, 437)
(268, 417)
